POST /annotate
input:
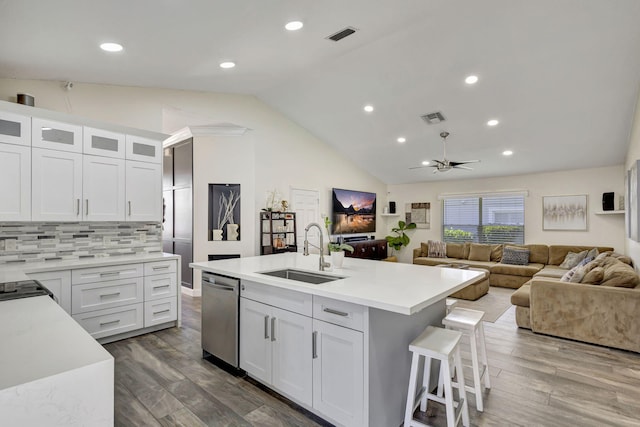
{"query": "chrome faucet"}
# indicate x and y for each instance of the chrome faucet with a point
(323, 264)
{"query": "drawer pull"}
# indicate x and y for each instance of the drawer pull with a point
(160, 287)
(161, 267)
(336, 312)
(113, 294)
(113, 273)
(110, 323)
(161, 311)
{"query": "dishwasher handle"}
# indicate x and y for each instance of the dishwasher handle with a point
(219, 286)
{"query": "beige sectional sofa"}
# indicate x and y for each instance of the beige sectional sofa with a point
(604, 313)
(542, 258)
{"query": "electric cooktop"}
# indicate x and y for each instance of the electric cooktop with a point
(22, 289)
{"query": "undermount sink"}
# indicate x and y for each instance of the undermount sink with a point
(302, 276)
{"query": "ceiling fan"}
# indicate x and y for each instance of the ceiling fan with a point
(445, 165)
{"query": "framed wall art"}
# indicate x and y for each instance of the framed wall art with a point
(632, 202)
(418, 213)
(564, 213)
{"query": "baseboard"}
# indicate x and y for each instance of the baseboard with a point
(192, 292)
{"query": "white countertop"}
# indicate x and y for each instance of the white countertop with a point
(39, 339)
(396, 287)
(18, 271)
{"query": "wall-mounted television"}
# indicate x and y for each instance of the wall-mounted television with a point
(353, 212)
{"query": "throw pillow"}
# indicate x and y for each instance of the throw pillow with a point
(496, 252)
(594, 277)
(479, 252)
(424, 249)
(566, 277)
(621, 275)
(579, 272)
(437, 249)
(456, 250)
(593, 253)
(515, 256)
(572, 259)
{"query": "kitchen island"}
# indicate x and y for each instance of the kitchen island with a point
(339, 348)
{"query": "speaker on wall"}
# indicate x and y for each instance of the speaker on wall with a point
(607, 202)
(392, 207)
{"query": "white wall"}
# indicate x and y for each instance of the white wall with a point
(278, 154)
(603, 230)
(632, 248)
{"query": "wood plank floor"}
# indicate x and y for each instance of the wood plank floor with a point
(161, 380)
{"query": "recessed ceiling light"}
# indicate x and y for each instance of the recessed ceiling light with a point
(425, 163)
(507, 152)
(492, 122)
(111, 47)
(471, 80)
(294, 25)
(402, 140)
(368, 108)
(227, 64)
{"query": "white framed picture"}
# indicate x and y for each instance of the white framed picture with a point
(564, 213)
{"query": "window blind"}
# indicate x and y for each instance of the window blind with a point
(490, 219)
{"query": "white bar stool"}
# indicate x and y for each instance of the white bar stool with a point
(443, 345)
(469, 322)
(451, 304)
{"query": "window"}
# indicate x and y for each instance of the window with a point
(486, 219)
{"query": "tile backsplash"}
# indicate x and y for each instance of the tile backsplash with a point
(44, 241)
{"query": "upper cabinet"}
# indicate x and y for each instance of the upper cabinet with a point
(15, 128)
(56, 186)
(56, 135)
(143, 149)
(100, 142)
(15, 183)
(144, 191)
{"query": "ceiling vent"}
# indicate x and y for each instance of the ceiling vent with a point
(342, 34)
(433, 118)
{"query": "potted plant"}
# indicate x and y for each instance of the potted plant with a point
(336, 249)
(400, 238)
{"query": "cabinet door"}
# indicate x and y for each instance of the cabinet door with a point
(255, 339)
(292, 362)
(103, 189)
(143, 149)
(100, 142)
(56, 186)
(15, 183)
(15, 129)
(58, 282)
(144, 191)
(56, 135)
(338, 373)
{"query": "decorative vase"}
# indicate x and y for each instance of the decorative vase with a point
(217, 234)
(337, 258)
(232, 231)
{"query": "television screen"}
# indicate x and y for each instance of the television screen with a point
(353, 212)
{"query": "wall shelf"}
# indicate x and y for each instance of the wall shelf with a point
(389, 214)
(618, 212)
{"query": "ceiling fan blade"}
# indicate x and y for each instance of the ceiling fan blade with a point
(463, 167)
(463, 162)
(440, 162)
(419, 167)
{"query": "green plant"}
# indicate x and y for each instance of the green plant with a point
(400, 239)
(335, 247)
(457, 235)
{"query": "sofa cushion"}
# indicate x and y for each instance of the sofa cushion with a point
(521, 296)
(621, 275)
(457, 250)
(424, 249)
(515, 256)
(516, 270)
(496, 252)
(552, 271)
(479, 252)
(572, 259)
(436, 249)
(423, 260)
(557, 253)
(594, 277)
(487, 265)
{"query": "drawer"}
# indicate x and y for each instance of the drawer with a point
(160, 286)
(102, 274)
(298, 302)
(160, 311)
(97, 296)
(160, 267)
(339, 313)
(112, 321)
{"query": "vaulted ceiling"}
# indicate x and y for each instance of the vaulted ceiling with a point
(560, 76)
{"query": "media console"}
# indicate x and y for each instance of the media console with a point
(370, 249)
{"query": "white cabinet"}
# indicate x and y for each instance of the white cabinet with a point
(56, 135)
(15, 129)
(144, 191)
(56, 185)
(59, 283)
(275, 347)
(15, 183)
(103, 188)
(100, 142)
(143, 149)
(338, 373)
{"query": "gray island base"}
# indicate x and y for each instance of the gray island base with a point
(339, 348)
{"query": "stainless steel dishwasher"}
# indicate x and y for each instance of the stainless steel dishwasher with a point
(220, 322)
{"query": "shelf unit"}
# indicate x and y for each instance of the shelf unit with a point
(277, 232)
(616, 212)
(390, 214)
